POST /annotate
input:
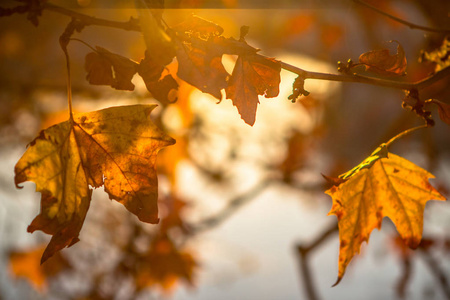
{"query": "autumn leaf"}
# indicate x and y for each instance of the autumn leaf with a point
(389, 187)
(162, 89)
(115, 147)
(107, 68)
(163, 265)
(25, 264)
(443, 109)
(253, 75)
(202, 70)
(159, 44)
(174, 208)
(200, 27)
(383, 63)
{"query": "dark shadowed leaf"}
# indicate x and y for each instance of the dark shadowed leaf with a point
(383, 63)
(253, 75)
(107, 68)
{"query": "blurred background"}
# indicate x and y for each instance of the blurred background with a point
(243, 210)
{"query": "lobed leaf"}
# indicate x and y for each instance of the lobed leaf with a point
(25, 264)
(381, 62)
(107, 68)
(163, 265)
(389, 187)
(202, 70)
(443, 109)
(115, 147)
(253, 75)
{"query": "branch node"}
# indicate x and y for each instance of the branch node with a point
(298, 89)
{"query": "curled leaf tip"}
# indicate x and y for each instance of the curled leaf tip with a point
(337, 281)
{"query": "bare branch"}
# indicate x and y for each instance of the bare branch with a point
(131, 25)
(437, 271)
(232, 207)
(401, 21)
(368, 80)
(303, 252)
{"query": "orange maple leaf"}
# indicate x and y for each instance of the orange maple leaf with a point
(381, 62)
(253, 75)
(115, 147)
(387, 187)
(25, 264)
(163, 265)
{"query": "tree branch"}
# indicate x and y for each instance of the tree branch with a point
(368, 80)
(233, 206)
(437, 271)
(133, 25)
(303, 252)
(401, 21)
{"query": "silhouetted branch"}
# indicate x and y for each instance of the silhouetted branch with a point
(232, 207)
(133, 25)
(405, 277)
(436, 270)
(368, 80)
(401, 21)
(303, 252)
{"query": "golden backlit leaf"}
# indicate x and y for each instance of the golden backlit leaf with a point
(383, 63)
(253, 75)
(26, 264)
(107, 68)
(390, 187)
(115, 147)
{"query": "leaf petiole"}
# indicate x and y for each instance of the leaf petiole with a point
(404, 133)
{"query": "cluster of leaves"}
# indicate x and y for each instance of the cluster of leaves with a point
(117, 147)
(149, 259)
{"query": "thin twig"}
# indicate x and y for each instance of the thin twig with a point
(232, 207)
(437, 271)
(368, 80)
(406, 132)
(131, 25)
(303, 253)
(401, 21)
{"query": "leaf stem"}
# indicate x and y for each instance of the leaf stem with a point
(401, 21)
(69, 84)
(403, 133)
